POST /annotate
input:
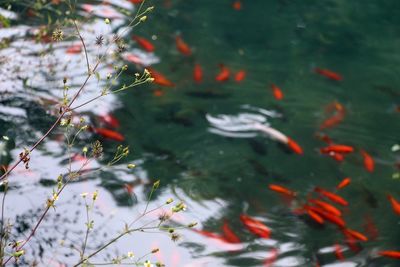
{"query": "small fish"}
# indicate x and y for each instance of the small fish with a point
(229, 235)
(197, 73)
(357, 235)
(160, 79)
(237, 5)
(369, 163)
(240, 75)
(268, 262)
(338, 252)
(294, 146)
(74, 49)
(110, 134)
(324, 138)
(337, 149)
(336, 156)
(313, 215)
(336, 118)
(143, 43)
(345, 182)
(390, 254)
(395, 204)
(331, 196)
(136, 1)
(328, 216)
(255, 226)
(329, 74)
(282, 190)
(224, 74)
(182, 47)
(110, 120)
(277, 92)
(326, 206)
(370, 228)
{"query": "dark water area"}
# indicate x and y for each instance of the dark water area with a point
(220, 166)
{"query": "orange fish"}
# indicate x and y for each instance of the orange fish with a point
(223, 75)
(240, 75)
(294, 146)
(282, 190)
(110, 134)
(144, 43)
(277, 92)
(326, 206)
(237, 5)
(329, 74)
(355, 234)
(390, 254)
(255, 226)
(369, 162)
(337, 149)
(110, 120)
(182, 46)
(229, 235)
(331, 196)
(337, 156)
(136, 1)
(197, 73)
(345, 182)
(160, 79)
(395, 204)
(315, 216)
(338, 252)
(328, 216)
(74, 49)
(338, 116)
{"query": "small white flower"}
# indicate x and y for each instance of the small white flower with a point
(6, 137)
(130, 254)
(148, 264)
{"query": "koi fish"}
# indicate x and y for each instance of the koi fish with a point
(356, 235)
(229, 235)
(345, 182)
(329, 74)
(390, 254)
(337, 149)
(326, 206)
(277, 92)
(182, 46)
(313, 215)
(74, 49)
(143, 43)
(223, 75)
(110, 120)
(160, 79)
(240, 75)
(369, 163)
(197, 73)
(338, 252)
(110, 134)
(328, 216)
(282, 190)
(294, 146)
(395, 204)
(331, 196)
(255, 226)
(237, 5)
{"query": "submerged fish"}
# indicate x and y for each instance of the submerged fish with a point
(197, 73)
(160, 79)
(255, 226)
(110, 134)
(224, 74)
(277, 92)
(329, 74)
(144, 43)
(182, 47)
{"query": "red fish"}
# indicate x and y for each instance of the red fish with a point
(282, 190)
(182, 46)
(345, 182)
(326, 206)
(224, 74)
(110, 120)
(390, 254)
(197, 73)
(229, 235)
(237, 5)
(136, 1)
(110, 134)
(271, 259)
(328, 216)
(357, 235)
(338, 252)
(160, 79)
(294, 146)
(336, 118)
(337, 156)
(337, 149)
(255, 226)
(331, 196)
(315, 216)
(277, 92)
(144, 43)
(370, 228)
(240, 75)
(395, 204)
(74, 49)
(325, 138)
(209, 234)
(369, 162)
(329, 74)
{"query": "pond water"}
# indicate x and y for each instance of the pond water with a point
(203, 140)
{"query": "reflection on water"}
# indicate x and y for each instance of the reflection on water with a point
(205, 138)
